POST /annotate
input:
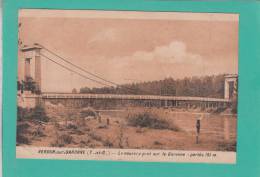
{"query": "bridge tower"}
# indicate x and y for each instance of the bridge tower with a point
(230, 89)
(30, 64)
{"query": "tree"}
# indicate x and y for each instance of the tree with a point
(29, 85)
(85, 90)
(206, 86)
(74, 90)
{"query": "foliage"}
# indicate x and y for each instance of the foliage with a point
(74, 90)
(157, 143)
(207, 86)
(38, 113)
(227, 146)
(22, 129)
(88, 112)
(95, 137)
(20, 139)
(107, 143)
(62, 140)
(22, 113)
(149, 120)
(72, 126)
(28, 85)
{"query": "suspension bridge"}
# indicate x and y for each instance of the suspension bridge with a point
(31, 61)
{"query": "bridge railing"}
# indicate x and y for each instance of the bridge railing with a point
(130, 97)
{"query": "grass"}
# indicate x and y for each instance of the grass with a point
(150, 120)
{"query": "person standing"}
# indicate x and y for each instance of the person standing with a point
(198, 125)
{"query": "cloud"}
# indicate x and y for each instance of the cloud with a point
(142, 65)
(146, 62)
(171, 60)
(173, 53)
(109, 34)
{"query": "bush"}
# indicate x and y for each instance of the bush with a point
(67, 139)
(72, 126)
(107, 143)
(37, 113)
(88, 112)
(149, 120)
(227, 146)
(95, 137)
(40, 114)
(38, 132)
(20, 139)
(22, 129)
(102, 127)
(20, 113)
(157, 143)
(62, 140)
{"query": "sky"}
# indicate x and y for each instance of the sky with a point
(126, 47)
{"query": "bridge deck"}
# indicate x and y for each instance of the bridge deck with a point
(129, 97)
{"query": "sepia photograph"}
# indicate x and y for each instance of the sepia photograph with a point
(126, 82)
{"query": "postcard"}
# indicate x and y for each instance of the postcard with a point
(127, 85)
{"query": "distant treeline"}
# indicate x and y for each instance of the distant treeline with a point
(206, 86)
